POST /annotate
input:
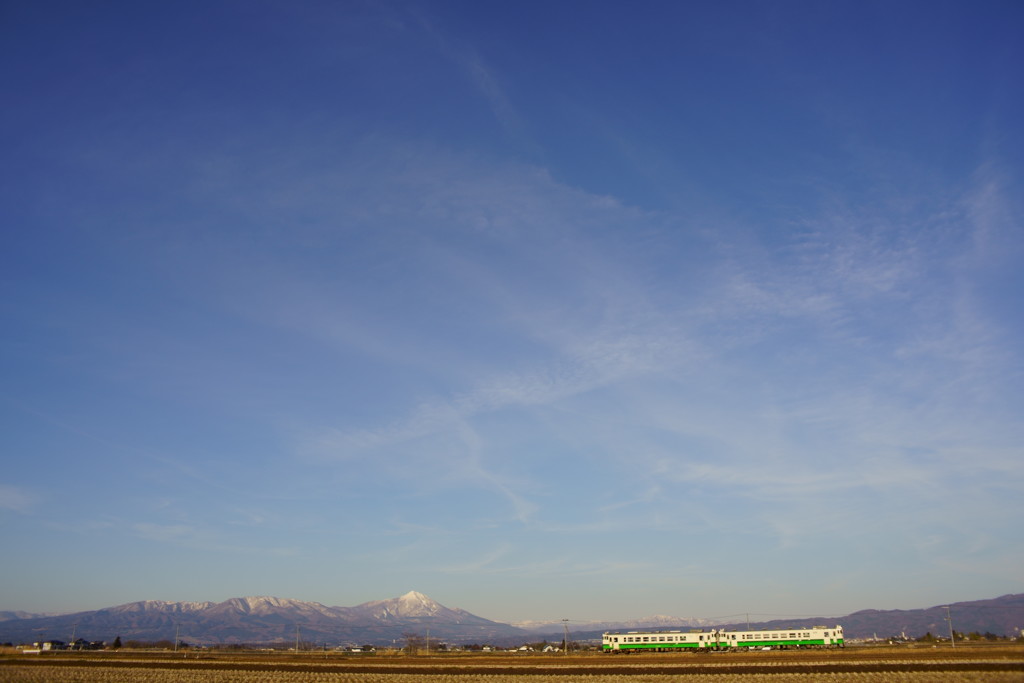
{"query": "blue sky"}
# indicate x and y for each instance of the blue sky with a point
(571, 310)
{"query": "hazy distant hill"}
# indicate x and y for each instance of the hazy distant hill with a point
(652, 622)
(385, 622)
(7, 616)
(1001, 616)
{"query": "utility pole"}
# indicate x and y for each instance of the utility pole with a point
(565, 641)
(296, 639)
(176, 628)
(952, 642)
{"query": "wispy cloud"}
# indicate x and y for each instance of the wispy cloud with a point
(826, 333)
(469, 61)
(496, 562)
(165, 532)
(16, 499)
(202, 538)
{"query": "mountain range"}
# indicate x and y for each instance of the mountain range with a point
(262, 620)
(258, 620)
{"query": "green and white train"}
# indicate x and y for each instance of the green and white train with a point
(707, 641)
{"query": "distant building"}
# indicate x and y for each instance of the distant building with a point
(83, 644)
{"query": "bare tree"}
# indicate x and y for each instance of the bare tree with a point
(413, 642)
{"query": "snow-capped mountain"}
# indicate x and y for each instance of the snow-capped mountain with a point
(263, 605)
(412, 604)
(263, 619)
(654, 621)
(17, 614)
(415, 607)
(386, 622)
(161, 606)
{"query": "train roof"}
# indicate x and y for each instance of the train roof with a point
(722, 630)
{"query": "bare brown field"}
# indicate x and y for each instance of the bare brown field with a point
(851, 665)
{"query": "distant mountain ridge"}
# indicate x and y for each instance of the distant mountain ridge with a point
(653, 621)
(1002, 616)
(264, 619)
(8, 615)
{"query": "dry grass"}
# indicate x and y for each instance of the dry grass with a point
(61, 674)
(852, 665)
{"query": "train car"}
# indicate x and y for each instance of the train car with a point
(715, 640)
(816, 636)
(659, 641)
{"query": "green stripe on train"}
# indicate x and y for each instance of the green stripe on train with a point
(641, 646)
(766, 643)
(735, 643)
(741, 643)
